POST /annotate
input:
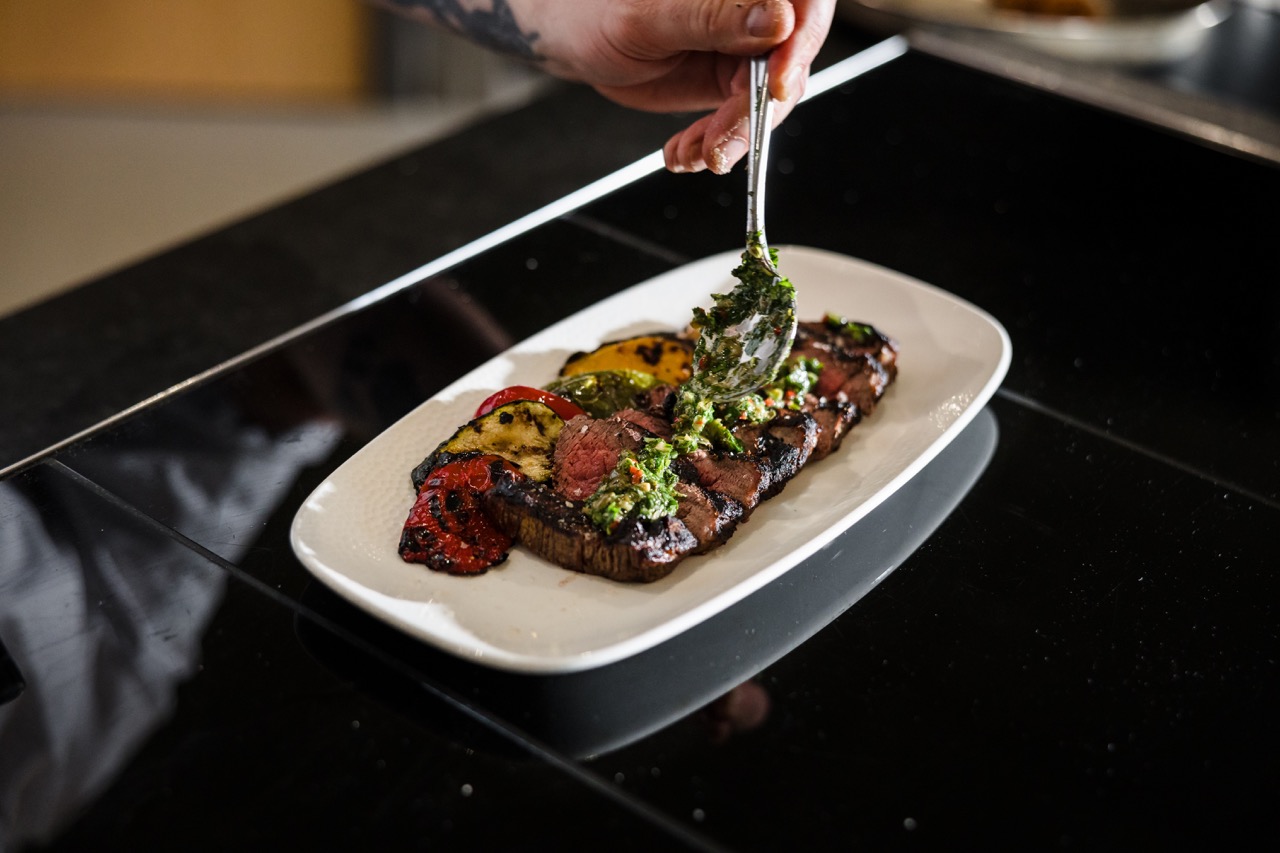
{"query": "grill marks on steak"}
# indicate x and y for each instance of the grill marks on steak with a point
(717, 491)
(772, 454)
(852, 371)
(539, 518)
(710, 516)
(854, 377)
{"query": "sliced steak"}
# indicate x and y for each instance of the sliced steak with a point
(782, 446)
(588, 449)
(834, 418)
(710, 516)
(540, 519)
(855, 371)
(659, 401)
(647, 421)
(739, 477)
(874, 343)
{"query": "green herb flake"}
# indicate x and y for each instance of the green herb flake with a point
(642, 485)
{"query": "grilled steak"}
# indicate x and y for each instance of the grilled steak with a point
(542, 520)
(710, 516)
(659, 426)
(855, 371)
(783, 445)
(740, 478)
(588, 449)
(717, 490)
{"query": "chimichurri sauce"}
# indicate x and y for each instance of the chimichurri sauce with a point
(642, 485)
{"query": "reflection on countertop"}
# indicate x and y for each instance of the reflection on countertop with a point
(708, 668)
(111, 624)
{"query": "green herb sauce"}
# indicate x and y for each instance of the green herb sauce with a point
(860, 333)
(719, 354)
(642, 484)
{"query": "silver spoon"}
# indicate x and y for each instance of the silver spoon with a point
(747, 336)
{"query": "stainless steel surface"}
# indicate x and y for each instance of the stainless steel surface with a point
(1220, 86)
(761, 127)
(1126, 31)
(754, 353)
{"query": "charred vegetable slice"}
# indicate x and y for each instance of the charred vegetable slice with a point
(565, 408)
(666, 356)
(603, 392)
(523, 432)
(447, 529)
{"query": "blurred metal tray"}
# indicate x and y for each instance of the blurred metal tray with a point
(1117, 31)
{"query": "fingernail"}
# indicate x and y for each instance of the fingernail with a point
(724, 155)
(762, 20)
(791, 84)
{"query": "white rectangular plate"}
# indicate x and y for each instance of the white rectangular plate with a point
(528, 615)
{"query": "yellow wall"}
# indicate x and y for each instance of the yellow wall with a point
(257, 50)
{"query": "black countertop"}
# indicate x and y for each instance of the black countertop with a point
(1073, 646)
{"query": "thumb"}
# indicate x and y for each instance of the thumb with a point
(656, 30)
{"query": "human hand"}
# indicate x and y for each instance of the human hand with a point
(685, 55)
(656, 55)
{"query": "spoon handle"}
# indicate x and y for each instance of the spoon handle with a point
(760, 126)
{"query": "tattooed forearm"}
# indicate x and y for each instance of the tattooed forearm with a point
(495, 28)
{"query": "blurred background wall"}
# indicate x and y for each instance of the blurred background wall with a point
(129, 125)
(259, 50)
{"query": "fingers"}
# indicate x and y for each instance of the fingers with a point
(717, 142)
(697, 81)
(654, 29)
(790, 62)
(720, 140)
(683, 152)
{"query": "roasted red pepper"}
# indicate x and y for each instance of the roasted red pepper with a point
(447, 529)
(562, 407)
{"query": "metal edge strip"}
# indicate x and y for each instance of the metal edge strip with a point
(1233, 130)
(823, 81)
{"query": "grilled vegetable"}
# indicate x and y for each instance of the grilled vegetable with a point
(447, 529)
(523, 432)
(566, 409)
(603, 392)
(666, 356)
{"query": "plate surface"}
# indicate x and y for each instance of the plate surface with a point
(528, 615)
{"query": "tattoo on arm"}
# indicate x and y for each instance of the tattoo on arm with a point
(495, 29)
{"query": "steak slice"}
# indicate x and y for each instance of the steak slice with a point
(741, 478)
(659, 401)
(834, 418)
(710, 516)
(855, 371)
(539, 518)
(772, 454)
(647, 421)
(782, 446)
(588, 449)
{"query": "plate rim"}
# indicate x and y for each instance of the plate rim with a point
(545, 664)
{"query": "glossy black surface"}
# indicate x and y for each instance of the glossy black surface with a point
(1138, 288)
(115, 342)
(1060, 635)
(169, 703)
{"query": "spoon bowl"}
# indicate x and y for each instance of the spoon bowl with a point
(746, 337)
